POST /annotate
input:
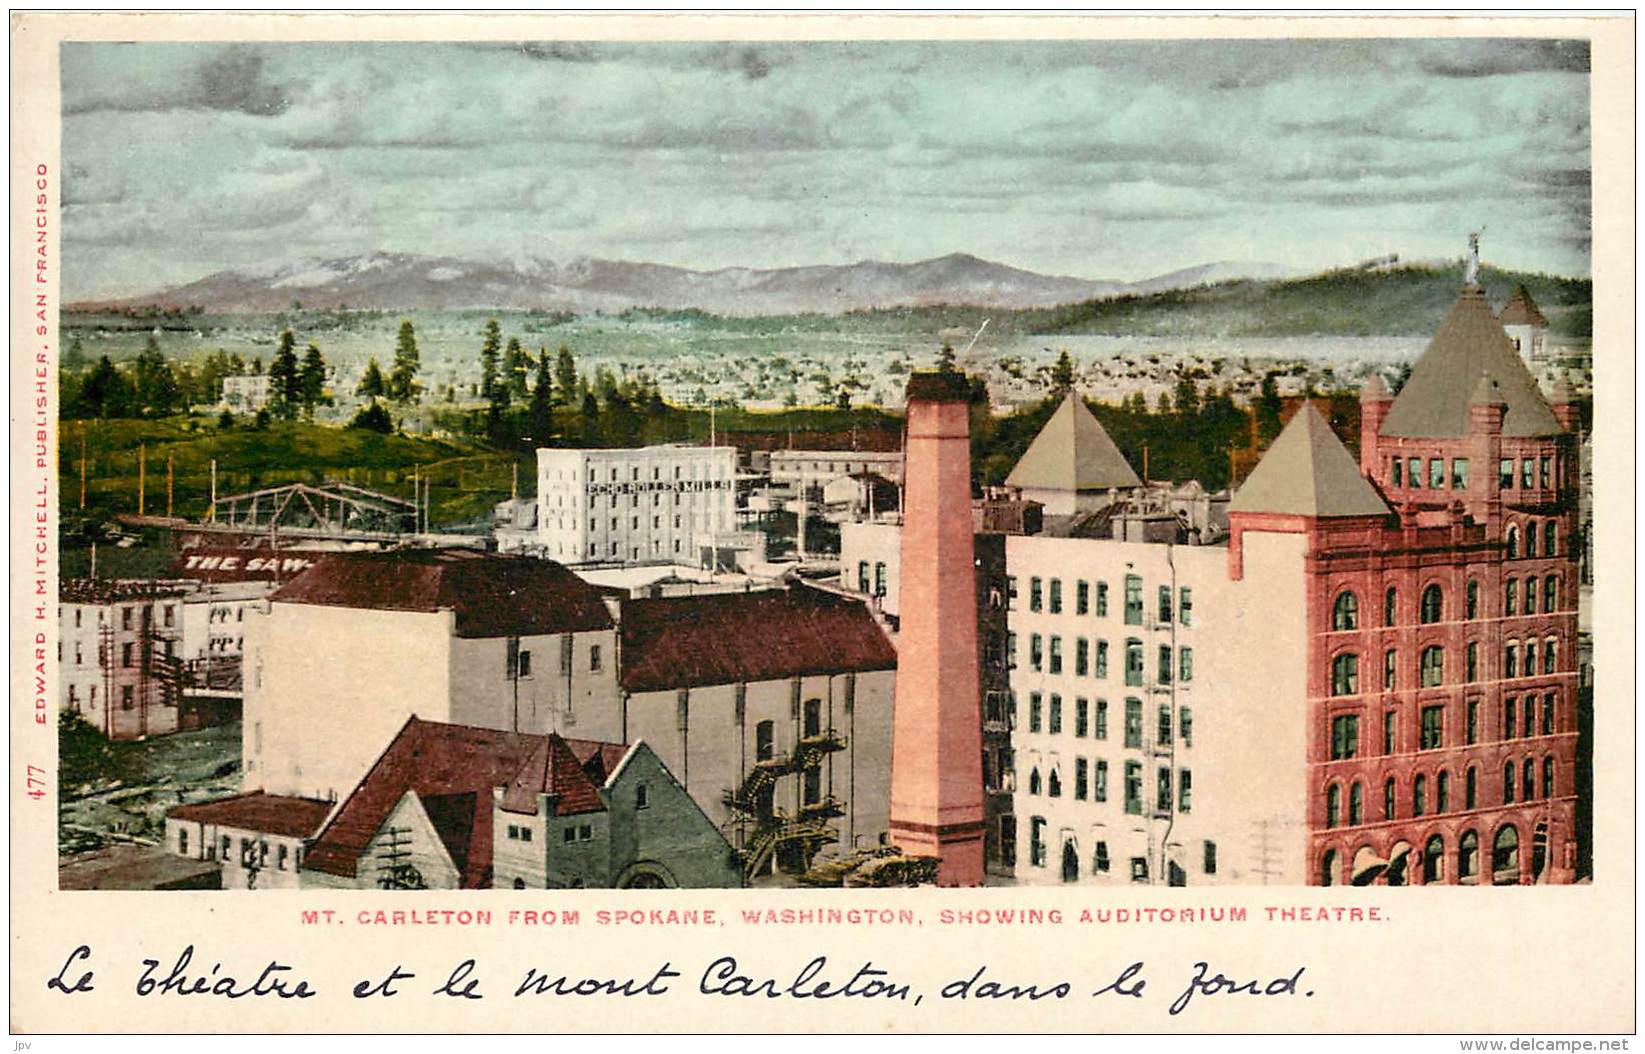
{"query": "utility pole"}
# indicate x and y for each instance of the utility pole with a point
(142, 474)
(168, 486)
(212, 514)
(83, 465)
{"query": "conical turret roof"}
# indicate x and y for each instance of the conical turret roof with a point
(1470, 342)
(1308, 472)
(1073, 452)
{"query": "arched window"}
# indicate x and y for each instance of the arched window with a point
(1034, 781)
(1548, 546)
(1473, 599)
(1549, 650)
(1510, 597)
(1419, 796)
(1388, 803)
(1328, 868)
(1053, 785)
(1345, 674)
(1333, 805)
(1507, 783)
(1070, 861)
(1530, 538)
(1548, 777)
(1390, 604)
(1356, 804)
(1472, 663)
(1433, 666)
(1505, 854)
(1433, 604)
(1513, 542)
(1468, 855)
(1442, 793)
(1530, 595)
(1527, 783)
(1550, 593)
(1433, 860)
(1510, 659)
(1530, 658)
(1470, 789)
(1345, 614)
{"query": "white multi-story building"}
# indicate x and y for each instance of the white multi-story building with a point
(656, 503)
(249, 393)
(1157, 730)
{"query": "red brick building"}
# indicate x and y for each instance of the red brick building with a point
(1442, 625)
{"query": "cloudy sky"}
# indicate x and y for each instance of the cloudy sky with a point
(1097, 159)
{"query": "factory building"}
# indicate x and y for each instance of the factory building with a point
(364, 641)
(656, 504)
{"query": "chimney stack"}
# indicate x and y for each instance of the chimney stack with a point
(936, 746)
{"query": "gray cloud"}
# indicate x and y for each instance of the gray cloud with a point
(1496, 58)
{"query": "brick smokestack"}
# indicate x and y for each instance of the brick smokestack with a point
(936, 746)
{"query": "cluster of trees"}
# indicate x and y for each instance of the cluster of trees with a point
(400, 385)
(149, 386)
(296, 388)
(543, 400)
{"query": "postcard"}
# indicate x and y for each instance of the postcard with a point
(822, 523)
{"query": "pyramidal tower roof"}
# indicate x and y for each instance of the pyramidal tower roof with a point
(1308, 472)
(1521, 310)
(1073, 452)
(1470, 342)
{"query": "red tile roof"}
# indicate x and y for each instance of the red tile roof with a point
(266, 813)
(493, 595)
(445, 764)
(736, 638)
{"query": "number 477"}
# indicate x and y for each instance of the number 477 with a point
(36, 782)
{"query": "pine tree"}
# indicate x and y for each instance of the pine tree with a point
(542, 401)
(158, 393)
(517, 370)
(285, 384)
(402, 380)
(1267, 410)
(493, 387)
(371, 384)
(565, 377)
(105, 393)
(312, 380)
(1062, 374)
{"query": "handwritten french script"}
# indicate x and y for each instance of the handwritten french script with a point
(189, 973)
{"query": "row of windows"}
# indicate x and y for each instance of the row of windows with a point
(1345, 727)
(1089, 661)
(1041, 707)
(1519, 659)
(656, 523)
(1418, 473)
(1504, 859)
(1047, 595)
(1100, 861)
(1408, 472)
(879, 578)
(1550, 534)
(1345, 609)
(168, 615)
(1096, 789)
(1525, 773)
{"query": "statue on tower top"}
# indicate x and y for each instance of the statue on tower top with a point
(1470, 267)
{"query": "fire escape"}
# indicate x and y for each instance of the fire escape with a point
(769, 833)
(1161, 733)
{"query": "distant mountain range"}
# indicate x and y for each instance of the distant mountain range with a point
(397, 281)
